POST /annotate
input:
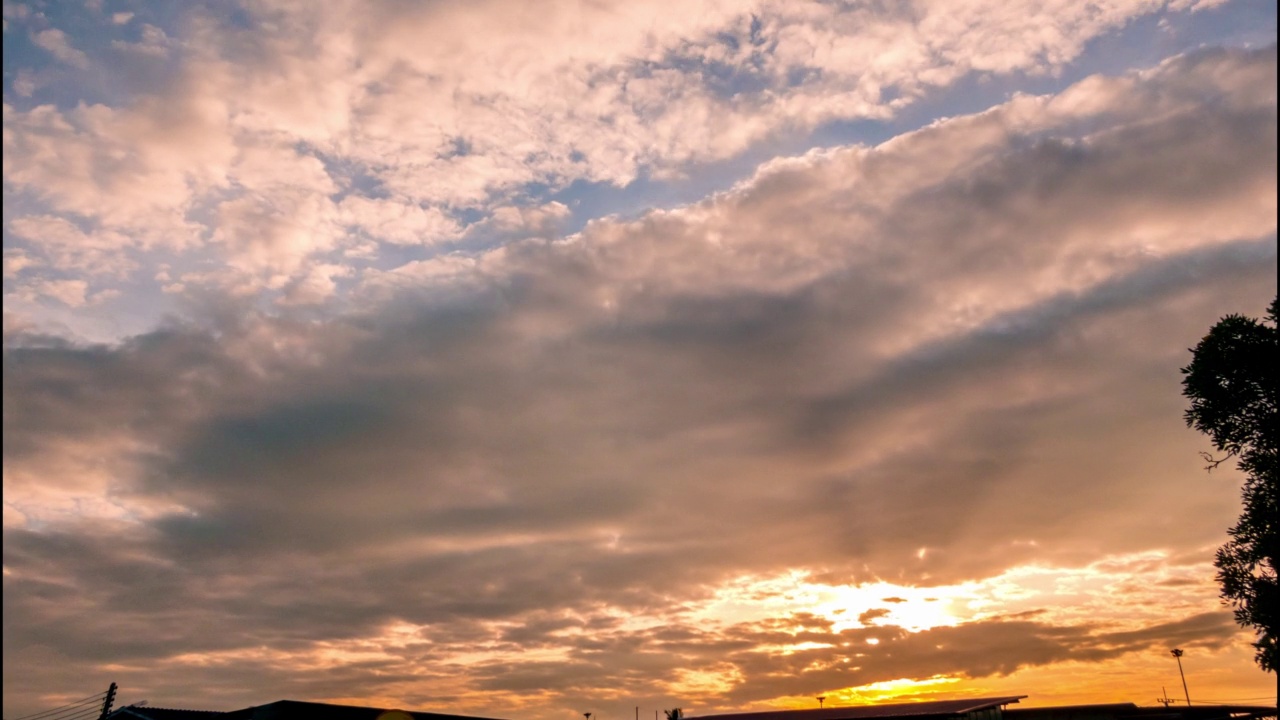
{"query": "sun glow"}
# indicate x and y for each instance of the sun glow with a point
(845, 606)
(697, 682)
(888, 689)
(911, 608)
(902, 689)
(793, 601)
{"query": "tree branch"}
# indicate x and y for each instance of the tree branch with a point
(1215, 462)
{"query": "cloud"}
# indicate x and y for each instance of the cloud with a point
(71, 293)
(997, 647)
(25, 83)
(540, 220)
(68, 292)
(858, 353)
(316, 287)
(398, 222)
(55, 41)
(873, 614)
(91, 162)
(69, 248)
(15, 261)
(154, 41)
(427, 127)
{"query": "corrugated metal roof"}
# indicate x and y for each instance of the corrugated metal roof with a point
(280, 710)
(131, 712)
(866, 712)
(298, 710)
(1129, 711)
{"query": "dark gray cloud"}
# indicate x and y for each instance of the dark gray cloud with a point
(863, 363)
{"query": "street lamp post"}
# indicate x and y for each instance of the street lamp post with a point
(1178, 654)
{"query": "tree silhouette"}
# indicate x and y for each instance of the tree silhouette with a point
(1231, 383)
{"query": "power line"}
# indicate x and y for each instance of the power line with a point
(90, 712)
(75, 714)
(59, 713)
(70, 713)
(73, 702)
(1260, 697)
(83, 701)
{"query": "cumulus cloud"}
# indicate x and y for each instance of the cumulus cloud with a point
(55, 41)
(398, 222)
(153, 42)
(69, 248)
(867, 363)
(432, 120)
(68, 292)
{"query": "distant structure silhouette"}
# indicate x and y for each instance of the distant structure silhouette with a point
(1178, 655)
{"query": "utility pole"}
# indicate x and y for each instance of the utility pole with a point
(820, 698)
(1178, 654)
(1166, 700)
(107, 702)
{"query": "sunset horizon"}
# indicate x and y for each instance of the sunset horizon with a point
(523, 360)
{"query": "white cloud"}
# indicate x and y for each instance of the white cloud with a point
(101, 252)
(68, 292)
(56, 42)
(24, 83)
(276, 231)
(124, 169)
(15, 10)
(154, 41)
(444, 117)
(317, 286)
(16, 260)
(398, 222)
(1195, 5)
(541, 220)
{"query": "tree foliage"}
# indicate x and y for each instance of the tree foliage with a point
(1232, 385)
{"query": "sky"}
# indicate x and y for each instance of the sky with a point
(526, 360)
